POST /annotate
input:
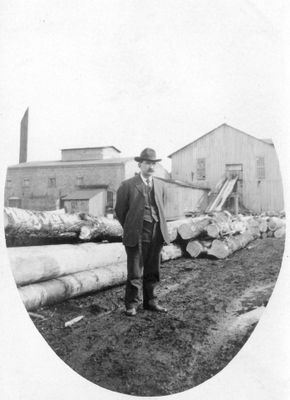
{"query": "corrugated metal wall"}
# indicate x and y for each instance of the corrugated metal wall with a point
(227, 145)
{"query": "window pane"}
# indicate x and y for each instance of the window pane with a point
(260, 168)
(200, 169)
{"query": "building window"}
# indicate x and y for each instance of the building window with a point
(80, 180)
(14, 202)
(260, 168)
(8, 183)
(200, 169)
(26, 182)
(110, 199)
(51, 182)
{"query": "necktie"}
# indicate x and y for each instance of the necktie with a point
(148, 186)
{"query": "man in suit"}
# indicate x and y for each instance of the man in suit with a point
(140, 211)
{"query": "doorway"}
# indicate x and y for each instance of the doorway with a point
(236, 170)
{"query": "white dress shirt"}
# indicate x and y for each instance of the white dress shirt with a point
(145, 180)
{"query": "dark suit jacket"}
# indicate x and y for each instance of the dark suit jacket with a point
(130, 208)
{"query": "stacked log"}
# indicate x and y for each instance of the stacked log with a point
(280, 232)
(231, 234)
(51, 273)
(69, 286)
(100, 228)
(41, 263)
(195, 248)
(193, 227)
(223, 248)
(275, 223)
(173, 227)
(171, 252)
(26, 227)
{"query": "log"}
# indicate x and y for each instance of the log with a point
(31, 228)
(173, 226)
(275, 223)
(280, 232)
(40, 263)
(254, 231)
(219, 249)
(238, 226)
(100, 228)
(212, 230)
(59, 289)
(206, 243)
(223, 248)
(171, 252)
(26, 227)
(220, 225)
(263, 224)
(55, 290)
(195, 248)
(193, 228)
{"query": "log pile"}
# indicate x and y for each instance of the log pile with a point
(32, 228)
(50, 273)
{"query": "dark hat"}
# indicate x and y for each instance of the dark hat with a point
(147, 155)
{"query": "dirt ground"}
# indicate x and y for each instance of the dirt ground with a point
(213, 307)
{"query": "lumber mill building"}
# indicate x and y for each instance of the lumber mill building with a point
(236, 166)
(86, 180)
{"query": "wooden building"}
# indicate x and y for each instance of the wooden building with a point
(86, 180)
(183, 199)
(227, 152)
(43, 185)
(91, 201)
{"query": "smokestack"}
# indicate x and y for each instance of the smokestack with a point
(23, 137)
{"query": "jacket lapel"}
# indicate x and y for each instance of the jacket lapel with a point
(139, 184)
(156, 191)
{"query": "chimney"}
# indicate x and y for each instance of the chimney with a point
(23, 137)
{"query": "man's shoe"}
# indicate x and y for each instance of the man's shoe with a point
(131, 312)
(152, 306)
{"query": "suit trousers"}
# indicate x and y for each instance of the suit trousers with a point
(143, 265)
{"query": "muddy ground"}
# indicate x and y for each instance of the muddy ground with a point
(214, 305)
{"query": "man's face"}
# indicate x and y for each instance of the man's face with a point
(147, 168)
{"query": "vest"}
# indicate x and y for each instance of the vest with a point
(150, 209)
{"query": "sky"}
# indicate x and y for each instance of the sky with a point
(136, 74)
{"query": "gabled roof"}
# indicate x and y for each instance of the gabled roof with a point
(59, 163)
(270, 141)
(266, 141)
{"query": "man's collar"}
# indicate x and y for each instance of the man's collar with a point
(144, 179)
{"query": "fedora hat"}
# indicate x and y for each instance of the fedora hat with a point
(147, 155)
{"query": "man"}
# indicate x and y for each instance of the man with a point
(140, 211)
